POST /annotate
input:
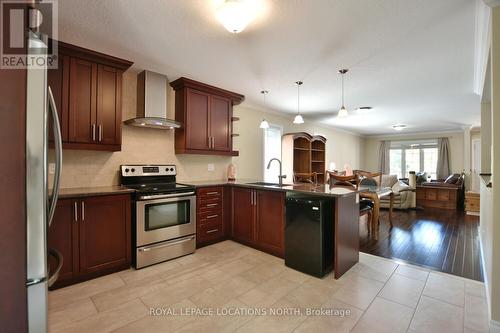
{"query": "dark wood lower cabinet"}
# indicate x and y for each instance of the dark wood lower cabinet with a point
(93, 235)
(270, 224)
(243, 215)
(258, 219)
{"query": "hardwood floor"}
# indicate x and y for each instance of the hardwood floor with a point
(443, 240)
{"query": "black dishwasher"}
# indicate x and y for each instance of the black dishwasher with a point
(309, 234)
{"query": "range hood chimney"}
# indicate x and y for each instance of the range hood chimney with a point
(152, 102)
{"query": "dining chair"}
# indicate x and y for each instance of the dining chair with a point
(303, 177)
(365, 205)
(369, 178)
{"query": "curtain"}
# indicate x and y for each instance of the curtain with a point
(384, 157)
(443, 162)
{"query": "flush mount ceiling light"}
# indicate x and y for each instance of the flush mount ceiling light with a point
(235, 15)
(298, 118)
(343, 111)
(264, 124)
(399, 127)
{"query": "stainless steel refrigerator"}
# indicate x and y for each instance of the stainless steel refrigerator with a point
(41, 198)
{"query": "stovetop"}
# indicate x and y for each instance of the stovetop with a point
(160, 188)
(152, 179)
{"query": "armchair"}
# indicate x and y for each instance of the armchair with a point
(403, 193)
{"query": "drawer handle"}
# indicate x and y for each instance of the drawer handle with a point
(212, 231)
(212, 205)
(212, 216)
(212, 193)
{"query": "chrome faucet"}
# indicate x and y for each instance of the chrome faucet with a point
(281, 176)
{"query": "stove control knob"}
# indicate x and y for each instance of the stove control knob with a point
(172, 169)
(166, 169)
(127, 170)
(133, 170)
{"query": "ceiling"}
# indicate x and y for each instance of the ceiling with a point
(411, 60)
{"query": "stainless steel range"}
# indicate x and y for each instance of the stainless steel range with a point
(164, 226)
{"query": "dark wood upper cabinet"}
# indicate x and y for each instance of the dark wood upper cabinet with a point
(206, 114)
(82, 101)
(198, 107)
(87, 88)
(220, 124)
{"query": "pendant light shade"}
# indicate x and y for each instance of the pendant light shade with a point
(264, 124)
(298, 118)
(343, 111)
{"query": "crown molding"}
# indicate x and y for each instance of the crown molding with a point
(492, 3)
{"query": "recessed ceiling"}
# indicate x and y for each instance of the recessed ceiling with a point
(411, 60)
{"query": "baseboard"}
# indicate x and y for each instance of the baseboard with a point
(486, 282)
(494, 326)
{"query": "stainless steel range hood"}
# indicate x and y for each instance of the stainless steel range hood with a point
(152, 102)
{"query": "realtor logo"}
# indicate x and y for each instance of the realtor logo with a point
(28, 34)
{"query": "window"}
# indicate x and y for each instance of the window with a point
(272, 149)
(418, 156)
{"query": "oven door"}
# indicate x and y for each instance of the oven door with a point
(161, 218)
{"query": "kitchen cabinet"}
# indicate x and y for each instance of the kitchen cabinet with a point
(258, 219)
(93, 235)
(87, 90)
(210, 211)
(243, 214)
(206, 115)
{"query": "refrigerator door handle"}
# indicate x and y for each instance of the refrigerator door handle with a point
(58, 153)
(58, 256)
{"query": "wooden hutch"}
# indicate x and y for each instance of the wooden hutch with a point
(304, 153)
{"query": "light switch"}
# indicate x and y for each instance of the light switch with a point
(211, 167)
(52, 168)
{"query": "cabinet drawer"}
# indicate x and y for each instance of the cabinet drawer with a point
(204, 205)
(210, 218)
(210, 232)
(209, 193)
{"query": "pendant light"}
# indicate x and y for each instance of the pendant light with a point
(264, 124)
(343, 111)
(298, 118)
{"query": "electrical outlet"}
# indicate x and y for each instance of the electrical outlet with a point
(52, 168)
(211, 167)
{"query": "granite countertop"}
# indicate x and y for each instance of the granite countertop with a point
(92, 191)
(315, 189)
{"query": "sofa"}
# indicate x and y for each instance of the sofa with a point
(446, 194)
(404, 195)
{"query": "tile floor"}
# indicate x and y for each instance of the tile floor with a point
(242, 286)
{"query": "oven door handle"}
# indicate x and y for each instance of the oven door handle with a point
(165, 196)
(167, 244)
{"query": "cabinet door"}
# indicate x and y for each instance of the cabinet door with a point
(197, 120)
(220, 123)
(270, 221)
(58, 81)
(243, 215)
(63, 237)
(104, 233)
(108, 105)
(82, 101)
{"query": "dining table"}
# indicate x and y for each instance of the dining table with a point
(375, 193)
